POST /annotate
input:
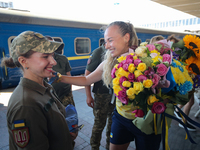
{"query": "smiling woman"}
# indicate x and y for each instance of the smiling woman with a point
(34, 111)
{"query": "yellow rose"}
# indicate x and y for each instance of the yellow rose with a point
(142, 67)
(131, 68)
(116, 89)
(152, 99)
(122, 72)
(131, 53)
(115, 81)
(138, 87)
(130, 92)
(118, 75)
(116, 66)
(131, 97)
(135, 57)
(120, 59)
(126, 84)
(147, 83)
(137, 73)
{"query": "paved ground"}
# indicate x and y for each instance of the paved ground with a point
(176, 134)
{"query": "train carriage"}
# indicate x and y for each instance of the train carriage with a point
(80, 38)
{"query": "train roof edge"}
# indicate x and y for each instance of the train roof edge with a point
(26, 17)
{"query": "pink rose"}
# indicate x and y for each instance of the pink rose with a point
(151, 47)
(122, 79)
(122, 93)
(125, 66)
(129, 59)
(158, 108)
(113, 72)
(131, 77)
(141, 78)
(167, 57)
(124, 100)
(138, 113)
(120, 65)
(156, 79)
(161, 70)
(123, 62)
(137, 61)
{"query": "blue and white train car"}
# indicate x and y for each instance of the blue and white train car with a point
(80, 39)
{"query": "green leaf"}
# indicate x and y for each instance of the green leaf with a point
(166, 64)
(178, 52)
(179, 44)
(158, 46)
(147, 60)
(148, 52)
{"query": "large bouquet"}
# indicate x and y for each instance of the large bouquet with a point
(187, 51)
(148, 76)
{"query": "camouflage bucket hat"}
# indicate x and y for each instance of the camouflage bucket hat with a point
(29, 40)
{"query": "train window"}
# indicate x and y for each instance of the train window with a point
(139, 41)
(82, 46)
(101, 41)
(148, 40)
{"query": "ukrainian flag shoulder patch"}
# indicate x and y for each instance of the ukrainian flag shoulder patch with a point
(19, 123)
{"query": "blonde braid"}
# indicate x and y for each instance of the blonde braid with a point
(107, 68)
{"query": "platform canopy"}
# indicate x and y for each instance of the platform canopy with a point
(191, 7)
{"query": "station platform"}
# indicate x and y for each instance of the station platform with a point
(176, 138)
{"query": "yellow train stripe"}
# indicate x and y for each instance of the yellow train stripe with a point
(78, 57)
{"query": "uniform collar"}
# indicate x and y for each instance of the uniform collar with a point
(34, 85)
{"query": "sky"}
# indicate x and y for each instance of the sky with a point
(105, 11)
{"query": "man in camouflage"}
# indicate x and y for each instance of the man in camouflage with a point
(101, 104)
(63, 90)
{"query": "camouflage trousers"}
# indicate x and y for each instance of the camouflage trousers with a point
(102, 111)
(66, 100)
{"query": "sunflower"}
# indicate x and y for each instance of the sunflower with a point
(193, 43)
(193, 65)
